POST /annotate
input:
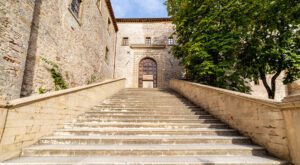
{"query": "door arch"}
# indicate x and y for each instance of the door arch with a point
(147, 73)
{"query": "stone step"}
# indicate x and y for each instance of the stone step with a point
(157, 117)
(147, 109)
(145, 106)
(153, 160)
(114, 139)
(146, 131)
(166, 121)
(135, 112)
(163, 101)
(143, 150)
(138, 125)
(166, 103)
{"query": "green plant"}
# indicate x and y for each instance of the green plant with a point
(41, 90)
(92, 80)
(58, 79)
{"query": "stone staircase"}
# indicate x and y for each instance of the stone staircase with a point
(146, 126)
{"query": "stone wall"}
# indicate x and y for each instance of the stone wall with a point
(129, 57)
(77, 46)
(15, 27)
(260, 119)
(35, 29)
(24, 121)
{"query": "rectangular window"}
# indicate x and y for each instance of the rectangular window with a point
(148, 41)
(75, 7)
(106, 54)
(170, 41)
(125, 41)
(256, 82)
(99, 5)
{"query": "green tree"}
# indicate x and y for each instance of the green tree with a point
(218, 41)
(208, 34)
(271, 44)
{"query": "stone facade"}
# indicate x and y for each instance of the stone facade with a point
(15, 27)
(129, 56)
(32, 30)
(59, 36)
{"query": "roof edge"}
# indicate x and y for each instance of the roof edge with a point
(112, 14)
(143, 20)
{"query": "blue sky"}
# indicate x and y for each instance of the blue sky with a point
(139, 8)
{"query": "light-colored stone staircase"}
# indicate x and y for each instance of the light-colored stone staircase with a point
(146, 126)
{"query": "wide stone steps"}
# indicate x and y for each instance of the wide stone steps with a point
(153, 160)
(114, 139)
(133, 112)
(146, 126)
(146, 131)
(143, 150)
(162, 121)
(150, 125)
(157, 117)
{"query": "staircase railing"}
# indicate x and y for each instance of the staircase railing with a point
(24, 121)
(272, 124)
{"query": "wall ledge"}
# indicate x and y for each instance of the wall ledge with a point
(37, 98)
(268, 102)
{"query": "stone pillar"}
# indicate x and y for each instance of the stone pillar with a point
(294, 88)
(291, 114)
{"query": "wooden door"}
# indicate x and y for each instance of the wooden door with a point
(147, 73)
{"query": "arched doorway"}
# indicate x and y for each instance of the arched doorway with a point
(147, 73)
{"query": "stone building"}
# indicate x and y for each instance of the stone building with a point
(77, 36)
(144, 52)
(84, 42)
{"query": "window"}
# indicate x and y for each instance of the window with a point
(125, 41)
(106, 54)
(75, 7)
(170, 41)
(99, 5)
(148, 41)
(256, 82)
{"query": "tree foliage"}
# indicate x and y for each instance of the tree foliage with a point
(223, 43)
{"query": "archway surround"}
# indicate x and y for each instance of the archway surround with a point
(147, 73)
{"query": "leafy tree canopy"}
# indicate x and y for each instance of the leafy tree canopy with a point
(223, 43)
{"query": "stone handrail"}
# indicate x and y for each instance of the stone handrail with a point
(24, 121)
(271, 124)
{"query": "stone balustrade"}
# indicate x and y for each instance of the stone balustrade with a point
(272, 124)
(24, 121)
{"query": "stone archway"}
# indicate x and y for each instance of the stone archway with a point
(148, 73)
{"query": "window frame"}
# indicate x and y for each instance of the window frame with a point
(77, 16)
(125, 41)
(148, 41)
(171, 41)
